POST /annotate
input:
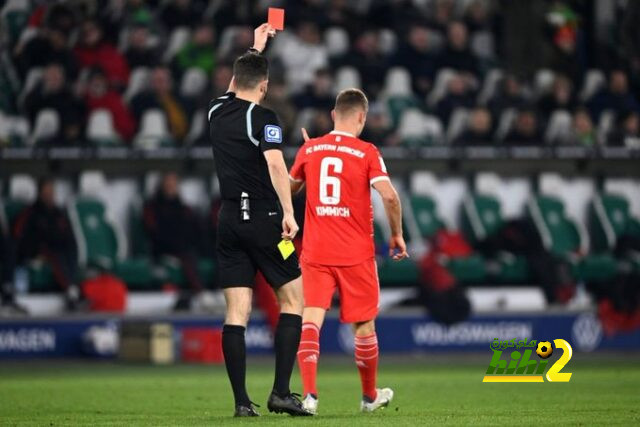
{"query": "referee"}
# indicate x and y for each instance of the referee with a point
(256, 214)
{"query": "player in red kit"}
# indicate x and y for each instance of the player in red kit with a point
(339, 170)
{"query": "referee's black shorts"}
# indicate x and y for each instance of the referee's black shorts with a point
(245, 247)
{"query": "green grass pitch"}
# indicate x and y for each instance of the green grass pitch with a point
(432, 390)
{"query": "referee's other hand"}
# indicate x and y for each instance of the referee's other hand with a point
(289, 227)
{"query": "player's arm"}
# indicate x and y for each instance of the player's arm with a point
(260, 37)
(393, 209)
(280, 180)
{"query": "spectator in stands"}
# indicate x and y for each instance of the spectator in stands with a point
(369, 61)
(54, 93)
(627, 131)
(50, 45)
(277, 100)
(321, 123)
(161, 96)
(100, 96)
(230, 50)
(417, 56)
(93, 50)
(561, 97)
(199, 52)
(457, 54)
(616, 98)
(510, 95)
(631, 42)
(173, 229)
(318, 94)
(180, 13)
(8, 304)
(479, 130)
(301, 54)
(564, 55)
(377, 129)
(139, 52)
(221, 77)
(43, 232)
(582, 130)
(459, 95)
(526, 130)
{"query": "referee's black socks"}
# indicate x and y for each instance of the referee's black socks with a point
(286, 342)
(235, 359)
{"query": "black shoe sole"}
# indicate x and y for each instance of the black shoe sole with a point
(290, 412)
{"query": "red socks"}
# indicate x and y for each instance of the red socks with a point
(308, 354)
(366, 355)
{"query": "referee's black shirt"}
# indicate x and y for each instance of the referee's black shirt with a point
(240, 132)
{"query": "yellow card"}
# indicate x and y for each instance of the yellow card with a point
(286, 248)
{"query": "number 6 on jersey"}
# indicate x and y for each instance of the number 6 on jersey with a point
(327, 180)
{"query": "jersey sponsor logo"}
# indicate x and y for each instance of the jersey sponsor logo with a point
(333, 211)
(273, 133)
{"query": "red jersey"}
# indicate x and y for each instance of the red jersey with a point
(338, 170)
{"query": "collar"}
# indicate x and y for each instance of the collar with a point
(337, 132)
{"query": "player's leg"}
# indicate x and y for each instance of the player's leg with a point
(359, 300)
(238, 301)
(287, 336)
(319, 286)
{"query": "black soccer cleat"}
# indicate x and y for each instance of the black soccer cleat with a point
(246, 411)
(289, 404)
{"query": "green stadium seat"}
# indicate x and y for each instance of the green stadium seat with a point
(560, 235)
(468, 270)
(481, 218)
(41, 278)
(609, 218)
(425, 212)
(399, 104)
(397, 273)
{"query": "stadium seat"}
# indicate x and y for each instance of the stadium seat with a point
(23, 187)
(388, 41)
(154, 130)
(440, 86)
(337, 41)
(34, 76)
(505, 123)
(482, 218)
(138, 81)
(560, 236)
(178, 38)
(457, 123)
(594, 80)
(543, 81)
(194, 82)
(199, 129)
(416, 128)
(609, 218)
(100, 128)
(398, 94)
(346, 77)
(99, 243)
(490, 86)
(483, 45)
(559, 127)
(424, 209)
(46, 126)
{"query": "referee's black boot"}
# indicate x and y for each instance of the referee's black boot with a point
(289, 404)
(246, 411)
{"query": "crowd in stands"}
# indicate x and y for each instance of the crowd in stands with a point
(466, 72)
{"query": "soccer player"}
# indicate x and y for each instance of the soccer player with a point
(338, 250)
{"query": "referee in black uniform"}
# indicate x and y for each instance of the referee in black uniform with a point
(255, 216)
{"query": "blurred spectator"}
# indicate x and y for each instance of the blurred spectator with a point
(369, 61)
(560, 98)
(54, 93)
(617, 97)
(302, 54)
(416, 55)
(631, 41)
(318, 94)
(394, 14)
(564, 57)
(161, 95)
(627, 132)
(43, 232)
(377, 129)
(199, 52)
(321, 124)
(459, 95)
(457, 55)
(221, 77)
(92, 51)
(173, 229)
(478, 16)
(241, 38)
(582, 130)
(139, 52)
(277, 100)
(180, 13)
(526, 130)
(99, 95)
(509, 95)
(50, 45)
(479, 130)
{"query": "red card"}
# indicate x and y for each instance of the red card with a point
(276, 18)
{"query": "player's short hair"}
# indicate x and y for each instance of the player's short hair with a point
(249, 70)
(350, 100)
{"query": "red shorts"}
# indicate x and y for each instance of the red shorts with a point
(357, 286)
